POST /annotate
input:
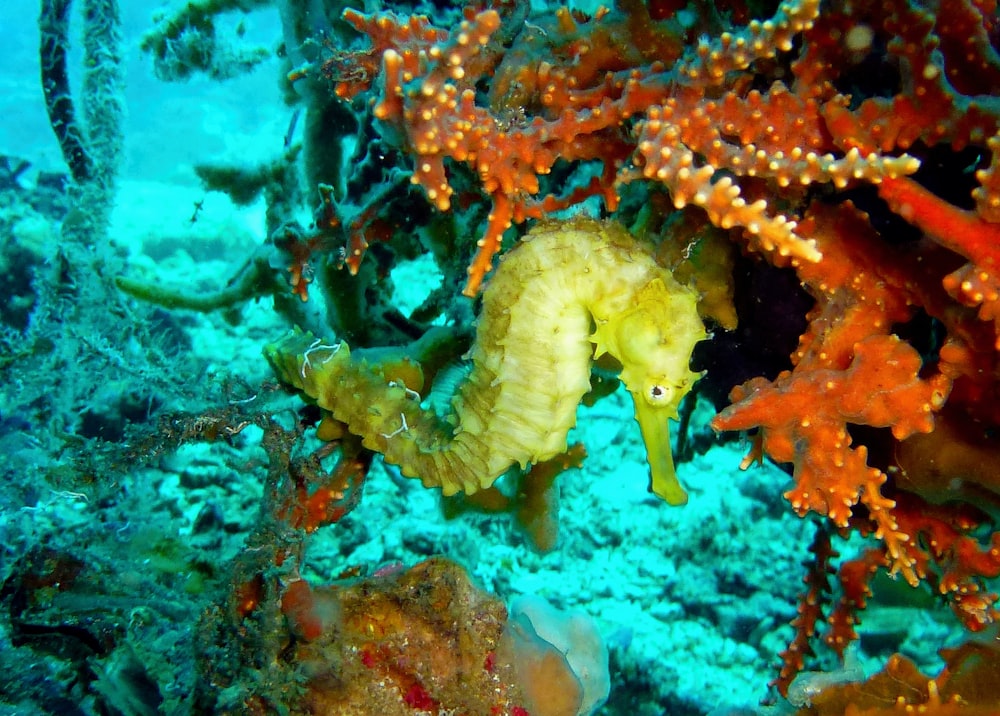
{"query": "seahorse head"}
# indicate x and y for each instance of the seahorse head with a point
(653, 342)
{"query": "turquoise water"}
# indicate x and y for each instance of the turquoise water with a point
(134, 474)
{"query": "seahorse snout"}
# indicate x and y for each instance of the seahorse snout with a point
(653, 423)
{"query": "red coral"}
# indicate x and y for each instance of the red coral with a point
(619, 92)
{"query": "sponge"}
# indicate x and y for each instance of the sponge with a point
(559, 658)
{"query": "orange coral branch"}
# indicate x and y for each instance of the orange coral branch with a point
(965, 232)
(831, 474)
(634, 107)
(810, 610)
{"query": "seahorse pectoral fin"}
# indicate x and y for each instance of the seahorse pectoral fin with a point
(656, 434)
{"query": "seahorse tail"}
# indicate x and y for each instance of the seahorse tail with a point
(386, 413)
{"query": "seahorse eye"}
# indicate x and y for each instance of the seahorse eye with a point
(660, 394)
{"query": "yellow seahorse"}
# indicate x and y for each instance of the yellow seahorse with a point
(566, 294)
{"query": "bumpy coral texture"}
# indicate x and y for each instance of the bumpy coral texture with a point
(759, 127)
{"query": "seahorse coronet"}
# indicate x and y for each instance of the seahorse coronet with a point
(567, 293)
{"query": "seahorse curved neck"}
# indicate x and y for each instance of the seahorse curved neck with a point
(566, 293)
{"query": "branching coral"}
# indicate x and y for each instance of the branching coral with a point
(764, 128)
(809, 139)
(586, 94)
(962, 688)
